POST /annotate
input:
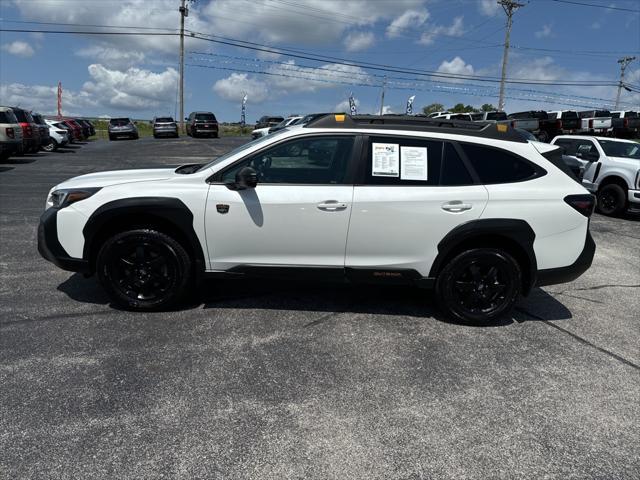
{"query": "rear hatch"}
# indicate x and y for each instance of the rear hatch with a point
(206, 120)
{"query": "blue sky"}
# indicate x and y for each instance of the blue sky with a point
(115, 75)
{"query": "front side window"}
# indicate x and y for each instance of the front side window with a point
(586, 147)
(567, 144)
(494, 165)
(613, 148)
(303, 161)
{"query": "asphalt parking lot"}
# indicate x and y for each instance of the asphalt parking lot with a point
(277, 380)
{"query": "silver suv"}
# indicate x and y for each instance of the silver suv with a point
(10, 133)
(122, 128)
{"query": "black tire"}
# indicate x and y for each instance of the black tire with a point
(612, 199)
(155, 136)
(136, 137)
(478, 286)
(111, 138)
(144, 269)
(52, 146)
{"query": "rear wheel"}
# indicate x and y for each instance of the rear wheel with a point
(144, 269)
(50, 146)
(612, 199)
(479, 285)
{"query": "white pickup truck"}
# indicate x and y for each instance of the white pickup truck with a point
(595, 121)
(611, 169)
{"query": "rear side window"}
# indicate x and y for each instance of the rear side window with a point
(403, 161)
(454, 171)
(494, 165)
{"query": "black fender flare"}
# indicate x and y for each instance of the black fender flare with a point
(514, 230)
(170, 210)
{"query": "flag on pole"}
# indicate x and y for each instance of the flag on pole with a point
(59, 99)
(244, 110)
(410, 104)
(352, 104)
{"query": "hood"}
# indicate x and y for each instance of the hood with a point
(105, 179)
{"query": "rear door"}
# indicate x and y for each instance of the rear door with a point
(411, 192)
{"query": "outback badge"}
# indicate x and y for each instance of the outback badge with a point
(222, 208)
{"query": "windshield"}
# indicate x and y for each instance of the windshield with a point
(496, 116)
(240, 149)
(207, 117)
(620, 149)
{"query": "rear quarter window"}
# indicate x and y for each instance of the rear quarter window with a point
(495, 166)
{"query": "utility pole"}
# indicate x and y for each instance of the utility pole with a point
(509, 7)
(384, 86)
(184, 12)
(624, 62)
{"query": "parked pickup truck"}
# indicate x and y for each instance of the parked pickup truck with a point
(455, 116)
(495, 117)
(611, 169)
(595, 121)
(566, 121)
(625, 124)
(526, 121)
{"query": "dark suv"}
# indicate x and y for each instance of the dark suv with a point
(202, 123)
(30, 131)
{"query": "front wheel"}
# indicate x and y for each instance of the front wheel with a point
(612, 199)
(144, 269)
(479, 285)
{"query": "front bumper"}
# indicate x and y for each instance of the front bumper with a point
(553, 276)
(50, 248)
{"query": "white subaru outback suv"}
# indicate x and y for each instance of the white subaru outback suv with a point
(472, 210)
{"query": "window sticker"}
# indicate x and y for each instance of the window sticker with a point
(414, 163)
(386, 160)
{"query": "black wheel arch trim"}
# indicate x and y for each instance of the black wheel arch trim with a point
(514, 230)
(167, 209)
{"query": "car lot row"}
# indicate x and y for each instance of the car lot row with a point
(22, 131)
(547, 125)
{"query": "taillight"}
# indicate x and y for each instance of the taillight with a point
(559, 124)
(625, 122)
(10, 132)
(513, 124)
(27, 131)
(591, 123)
(583, 203)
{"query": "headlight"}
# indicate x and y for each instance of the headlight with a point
(66, 196)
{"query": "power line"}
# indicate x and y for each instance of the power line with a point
(322, 58)
(608, 7)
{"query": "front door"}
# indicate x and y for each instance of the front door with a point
(297, 215)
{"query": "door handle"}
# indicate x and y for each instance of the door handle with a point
(332, 206)
(456, 206)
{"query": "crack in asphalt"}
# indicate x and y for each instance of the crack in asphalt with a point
(322, 319)
(58, 316)
(580, 339)
(596, 287)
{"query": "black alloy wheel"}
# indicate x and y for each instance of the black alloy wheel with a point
(50, 146)
(143, 269)
(478, 286)
(611, 199)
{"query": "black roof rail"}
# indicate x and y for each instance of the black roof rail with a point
(497, 131)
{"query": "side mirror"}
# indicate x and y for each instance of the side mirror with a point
(246, 178)
(186, 118)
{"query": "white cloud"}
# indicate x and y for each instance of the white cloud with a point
(111, 57)
(489, 8)
(456, 29)
(19, 49)
(457, 66)
(544, 32)
(358, 41)
(289, 77)
(133, 89)
(43, 98)
(307, 22)
(386, 109)
(236, 85)
(408, 20)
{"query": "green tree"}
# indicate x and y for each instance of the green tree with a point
(487, 107)
(462, 108)
(434, 107)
